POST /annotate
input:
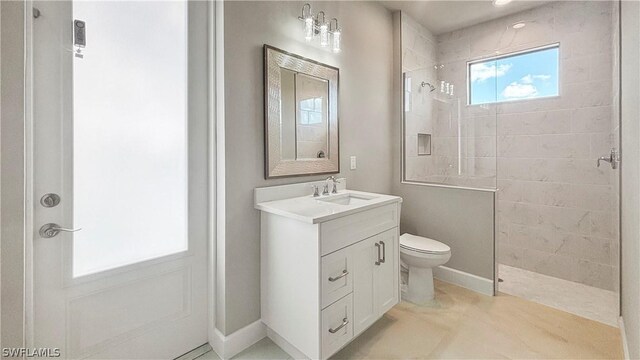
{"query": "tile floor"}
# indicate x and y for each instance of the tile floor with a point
(583, 300)
(461, 324)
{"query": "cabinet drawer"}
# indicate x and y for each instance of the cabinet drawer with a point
(342, 232)
(337, 276)
(337, 326)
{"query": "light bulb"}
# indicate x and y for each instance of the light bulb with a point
(308, 28)
(324, 35)
(336, 41)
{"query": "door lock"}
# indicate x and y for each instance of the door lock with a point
(50, 230)
(50, 200)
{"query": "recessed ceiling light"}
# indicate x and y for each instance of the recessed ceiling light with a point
(501, 2)
(519, 25)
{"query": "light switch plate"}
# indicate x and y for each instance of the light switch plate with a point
(353, 163)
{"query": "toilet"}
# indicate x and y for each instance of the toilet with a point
(421, 255)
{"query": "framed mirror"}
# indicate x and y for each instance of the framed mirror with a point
(301, 115)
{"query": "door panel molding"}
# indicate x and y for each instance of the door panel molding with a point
(76, 323)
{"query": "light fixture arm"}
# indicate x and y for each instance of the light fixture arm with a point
(308, 6)
(331, 28)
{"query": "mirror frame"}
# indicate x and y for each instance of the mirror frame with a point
(275, 166)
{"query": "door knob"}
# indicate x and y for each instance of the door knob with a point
(50, 230)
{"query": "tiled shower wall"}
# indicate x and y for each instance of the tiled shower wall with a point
(418, 59)
(462, 153)
(557, 212)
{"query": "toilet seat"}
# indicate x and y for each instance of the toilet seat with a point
(423, 245)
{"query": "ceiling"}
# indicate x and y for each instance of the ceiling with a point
(440, 16)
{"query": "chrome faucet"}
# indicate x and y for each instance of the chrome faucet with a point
(326, 185)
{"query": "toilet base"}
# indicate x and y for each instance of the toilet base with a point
(420, 288)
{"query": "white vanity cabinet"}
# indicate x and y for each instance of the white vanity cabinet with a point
(325, 279)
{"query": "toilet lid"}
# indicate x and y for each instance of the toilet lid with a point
(423, 244)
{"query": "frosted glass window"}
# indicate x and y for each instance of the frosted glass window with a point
(129, 134)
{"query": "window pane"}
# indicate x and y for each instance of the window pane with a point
(482, 77)
(522, 76)
(130, 134)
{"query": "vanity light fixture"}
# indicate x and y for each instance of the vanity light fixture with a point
(308, 22)
(317, 25)
(337, 33)
(501, 2)
(323, 28)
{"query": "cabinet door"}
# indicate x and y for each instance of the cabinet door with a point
(388, 273)
(364, 256)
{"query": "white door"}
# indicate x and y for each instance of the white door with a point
(119, 134)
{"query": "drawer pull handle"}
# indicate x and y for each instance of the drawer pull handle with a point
(384, 252)
(378, 262)
(344, 273)
(344, 323)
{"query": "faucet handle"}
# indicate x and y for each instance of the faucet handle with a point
(316, 193)
(335, 186)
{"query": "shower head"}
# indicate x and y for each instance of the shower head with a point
(431, 87)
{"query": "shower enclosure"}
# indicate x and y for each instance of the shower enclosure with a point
(523, 106)
(444, 143)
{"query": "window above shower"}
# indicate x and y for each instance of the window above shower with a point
(524, 75)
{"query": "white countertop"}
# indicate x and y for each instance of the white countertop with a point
(315, 210)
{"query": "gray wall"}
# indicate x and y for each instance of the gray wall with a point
(11, 172)
(630, 167)
(462, 219)
(365, 114)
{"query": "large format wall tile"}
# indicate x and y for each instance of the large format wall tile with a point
(557, 212)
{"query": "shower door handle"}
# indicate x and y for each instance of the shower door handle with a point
(613, 158)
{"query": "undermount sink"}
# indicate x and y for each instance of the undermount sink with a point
(295, 201)
(347, 199)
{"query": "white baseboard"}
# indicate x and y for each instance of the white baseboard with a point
(463, 279)
(623, 334)
(228, 346)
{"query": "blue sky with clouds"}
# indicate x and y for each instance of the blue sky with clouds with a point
(524, 76)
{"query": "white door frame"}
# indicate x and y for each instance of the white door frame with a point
(215, 151)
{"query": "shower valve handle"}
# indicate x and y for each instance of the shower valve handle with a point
(612, 159)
